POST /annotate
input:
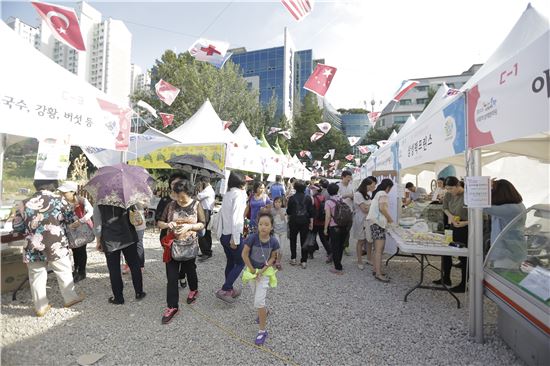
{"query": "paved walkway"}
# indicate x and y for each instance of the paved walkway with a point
(317, 319)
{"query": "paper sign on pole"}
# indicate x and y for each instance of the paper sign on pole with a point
(52, 160)
(477, 193)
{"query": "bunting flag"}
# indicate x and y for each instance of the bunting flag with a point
(63, 22)
(317, 163)
(319, 81)
(382, 142)
(226, 124)
(327, 155)
(286, 134)
(357, 161)
(304, 153)
(166, 91)
(213, 52)
(406, 85)
(450, 92)
(349, 157)
(148, 107)
(272, 130)
(324, 127)
(167, 119)
(373, 117)
(316, 136)
(353, 140)
(332, 152)
(299, 9)
(363, 149)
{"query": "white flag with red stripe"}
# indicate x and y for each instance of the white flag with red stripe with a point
(406, 85)
(167, 119)
(299, 9)
(166, 91)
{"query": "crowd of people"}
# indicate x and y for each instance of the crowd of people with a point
(252, 225)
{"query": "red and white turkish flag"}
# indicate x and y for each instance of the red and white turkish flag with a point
(406, 85)
(63, 23)
(167, 119)
(166, 91)
(349, 157)
(316, 136)
(320, 79)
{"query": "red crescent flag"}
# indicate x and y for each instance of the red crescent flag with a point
(166, 91)
(406, 85)
(63, 23)
(167, 119)
(320, 79)
(316, 136)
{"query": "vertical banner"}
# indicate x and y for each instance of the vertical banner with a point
(52, 160)
(288, 76)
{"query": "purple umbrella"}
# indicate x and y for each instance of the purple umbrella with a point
(121, 185)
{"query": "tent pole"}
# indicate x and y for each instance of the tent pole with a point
(477, 266)
(3, 138)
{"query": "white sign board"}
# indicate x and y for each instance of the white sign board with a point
(52, 160)
(477, 193)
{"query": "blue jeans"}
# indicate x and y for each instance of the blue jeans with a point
(235, 263)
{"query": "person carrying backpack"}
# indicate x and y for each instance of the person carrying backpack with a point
(338, 219)
(319, 219)
(300, 213)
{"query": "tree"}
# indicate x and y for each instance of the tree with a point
(225, 88)
(431, 95)
(305, 125)
(352, 111)
(375, 135)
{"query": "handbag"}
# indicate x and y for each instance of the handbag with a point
(184, 250)
(136, 217)
(80, 236)
(311, 239)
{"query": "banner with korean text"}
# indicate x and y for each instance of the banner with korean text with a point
(40, 99)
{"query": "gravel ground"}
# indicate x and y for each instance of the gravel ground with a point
(317, 319)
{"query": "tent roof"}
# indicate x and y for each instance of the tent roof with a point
(203, 128)
(530, 26)
(244, 135)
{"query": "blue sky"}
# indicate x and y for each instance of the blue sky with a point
(374, 44)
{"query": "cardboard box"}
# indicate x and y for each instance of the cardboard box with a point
(14, 271)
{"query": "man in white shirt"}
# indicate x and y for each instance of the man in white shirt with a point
(345, 190)
(207, 198)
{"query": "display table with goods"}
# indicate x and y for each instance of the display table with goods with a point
(517, 279)
(420, 245)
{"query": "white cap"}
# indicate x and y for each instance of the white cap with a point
(68, 186)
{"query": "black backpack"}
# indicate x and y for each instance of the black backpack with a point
(301, 215)
(343, 216)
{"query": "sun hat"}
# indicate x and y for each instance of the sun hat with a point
(68, 186)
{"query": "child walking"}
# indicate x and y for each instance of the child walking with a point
(259, 255)
(280, 227)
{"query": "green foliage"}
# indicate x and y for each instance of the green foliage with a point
(353, 111)
(225, 88)
(431, 95)
(305, 125)
(375, 135)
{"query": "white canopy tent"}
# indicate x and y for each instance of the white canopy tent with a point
(511, 89)
(250, 156)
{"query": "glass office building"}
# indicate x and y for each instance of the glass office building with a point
(355, 124)
(264, 71)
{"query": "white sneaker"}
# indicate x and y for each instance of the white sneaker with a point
(304, 265)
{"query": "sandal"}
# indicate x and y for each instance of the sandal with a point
(261, 337)
(383, 278)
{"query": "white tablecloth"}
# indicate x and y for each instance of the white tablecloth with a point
(393, 239)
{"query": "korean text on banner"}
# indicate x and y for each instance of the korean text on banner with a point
(157, 159)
